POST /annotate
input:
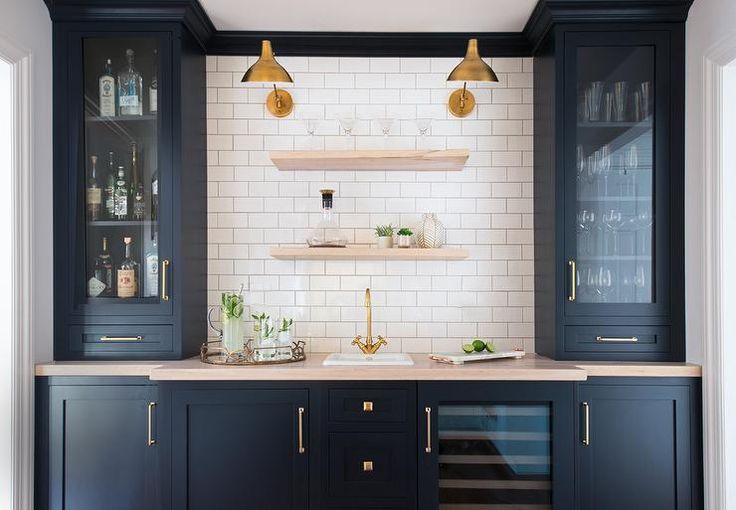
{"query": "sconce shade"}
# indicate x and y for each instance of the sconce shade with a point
(266, 69)
(472, 67)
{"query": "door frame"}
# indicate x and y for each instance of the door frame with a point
(22, 375)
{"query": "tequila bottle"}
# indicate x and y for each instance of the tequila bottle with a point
(107, 91)
(137, 191)
(101, 284)
(327, 233)
(121, 195)
(110, 187)
(150, 284)
(128, 273)
(153, 87)
(94, 193)
(130, 86)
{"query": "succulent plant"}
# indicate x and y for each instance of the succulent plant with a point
(385, 230)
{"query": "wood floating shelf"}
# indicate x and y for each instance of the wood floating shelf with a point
(445, 160)
(306, 253)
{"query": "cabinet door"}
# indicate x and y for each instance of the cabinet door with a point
(495, 445)
(102, 450)
(617, 205)
(235, 449)
(118, 249)
(634, 447)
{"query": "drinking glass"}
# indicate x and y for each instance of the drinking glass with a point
(645, 91)
(613, 220)
(605, 283)
(620, 97)
(593, 100)
(586, 221)
(608, 107)
(423, 126)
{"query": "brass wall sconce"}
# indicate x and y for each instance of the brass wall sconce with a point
(472, 68)
(279, 102)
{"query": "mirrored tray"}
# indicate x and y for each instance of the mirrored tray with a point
(214, 353)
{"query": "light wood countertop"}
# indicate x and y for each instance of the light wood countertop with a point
(530, 368)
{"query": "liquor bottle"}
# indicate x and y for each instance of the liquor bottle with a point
(101, 284)
(94, 194)
(107, 91)
(110, 187)
(153, 87)
(150, 284)
(128, 273)
(327, 232)
(154, 196)
(130, 86)
(121, 195)
(137, 191)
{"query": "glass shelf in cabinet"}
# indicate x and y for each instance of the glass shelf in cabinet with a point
(643, 198)
(614, 258)
(121, 118)
(616, 125)
(116, 223)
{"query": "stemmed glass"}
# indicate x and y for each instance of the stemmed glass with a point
(347, 123)
(614, 220)
(604, 160)
(423, 126)
(640, 281)
(311, 125)
(605, 283)
(586, 220)
(385, 125)
(629, 165)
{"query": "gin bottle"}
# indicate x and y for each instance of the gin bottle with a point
(107, 91)
(137, 192)
(94, 194)
(327, 232)
(110, 187)
(128, 273)
(101, 284)
(150, 283)
(121, 195)
(130, 86)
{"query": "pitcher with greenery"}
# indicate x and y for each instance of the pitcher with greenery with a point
(232, 321)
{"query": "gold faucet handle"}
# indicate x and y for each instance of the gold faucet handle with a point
(356, 340)
(382, 340)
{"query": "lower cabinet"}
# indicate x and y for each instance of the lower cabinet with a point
(100, 447)
(639, 444)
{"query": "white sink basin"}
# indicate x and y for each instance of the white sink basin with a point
(376, 360)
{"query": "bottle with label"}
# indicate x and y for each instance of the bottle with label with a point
(153, 87)
(94, 194)
(150, 284)
(121, 195)
(130, 86)
(154, 196)
(128, 273)
(107, 91)
(110, 187)
(101, 283)
(137, 191)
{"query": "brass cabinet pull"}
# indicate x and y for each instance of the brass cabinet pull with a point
(367, 466)
(572, 267)
(586, 424)
(164, 270)
(151, 407)
(603, 339)
(300, 412)
(105, 338)
(428, 412)
(368, 407)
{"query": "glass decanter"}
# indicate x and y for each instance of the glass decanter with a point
(327, 233)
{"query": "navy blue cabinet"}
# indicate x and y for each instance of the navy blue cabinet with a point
(609, 127)
(97, 446)
(129, 190)
(488, 444)
(639, 444)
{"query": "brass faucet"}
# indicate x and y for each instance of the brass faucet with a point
(368, 347)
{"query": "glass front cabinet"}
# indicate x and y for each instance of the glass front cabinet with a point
(617, 223)
(123, 270)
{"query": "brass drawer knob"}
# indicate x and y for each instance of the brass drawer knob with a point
(368, 406)
(367, 466)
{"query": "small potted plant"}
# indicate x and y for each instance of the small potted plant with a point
(405, 237)
(385, 235)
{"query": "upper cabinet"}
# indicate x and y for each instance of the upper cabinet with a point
(609, 193)
(129, 190)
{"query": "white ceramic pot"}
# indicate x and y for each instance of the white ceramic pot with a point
(404, 241)
(385, 242)
(431, 232)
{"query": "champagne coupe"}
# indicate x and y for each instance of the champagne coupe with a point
(385, 125)
(423, 126)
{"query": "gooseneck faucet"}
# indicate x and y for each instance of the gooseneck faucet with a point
(368, 347)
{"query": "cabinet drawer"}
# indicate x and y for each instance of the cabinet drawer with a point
(368, 405)
(617, 339)
(371, 465)
(121, 339)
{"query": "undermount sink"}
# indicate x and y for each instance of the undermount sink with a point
(376, 360)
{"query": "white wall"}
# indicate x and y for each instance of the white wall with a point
(27, 24)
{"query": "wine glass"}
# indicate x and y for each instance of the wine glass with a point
(605, 166)
(605, 283)
(640, 281)
(613, 220)
(423, 126)
(385, 125)
(586, 220)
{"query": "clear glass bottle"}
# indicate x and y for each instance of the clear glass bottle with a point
(153, 86)
(154, 196)
(121, 195)
(128, 273)
(130, 87)
(137, 191)
(107, 91)
(110, 187)
(101, 283)
(150, 283)
(94, 193)
(327, 233)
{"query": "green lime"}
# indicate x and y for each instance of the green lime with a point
(468, 348)
(490, 347)
(479, 345)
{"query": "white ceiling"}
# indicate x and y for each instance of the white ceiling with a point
(370, 15)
